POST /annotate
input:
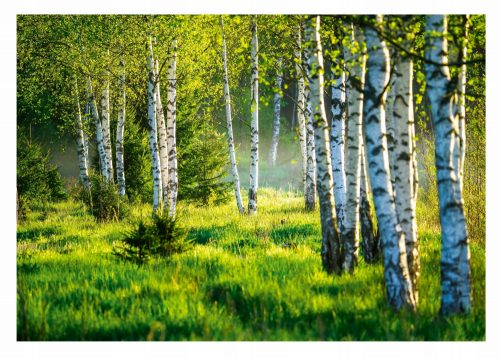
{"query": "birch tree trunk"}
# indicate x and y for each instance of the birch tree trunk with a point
(390, 125)
(330, 244)
(371, 240)
(254, 151)
(462, 80)
(162, 140)
(456, 294)
(273, 151)
(397, 280)
(106, 134)
(80, 142)
(173, 185)
(355, 85)
(301, 107)
(229, 126)
(310, 193)
(120, 128)
(153, 144)
(98, 129)
(404, 164)
(337, 135)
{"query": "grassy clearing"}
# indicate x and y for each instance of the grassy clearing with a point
(246, 278)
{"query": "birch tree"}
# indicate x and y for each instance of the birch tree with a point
(229, 126)
(83, 160)
(310, 186)
(273, 151)
(98, 129)
(162, 140)
(456, 293)
(397, 280)
(355, 59)
(254, 150)
(120, 128)
(153, 144)
(330, 244)
(105, 124)
(173, 183)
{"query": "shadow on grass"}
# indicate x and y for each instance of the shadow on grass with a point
(34, 234)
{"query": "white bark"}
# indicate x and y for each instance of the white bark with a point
(106, 134)
(229, 126)
(397, 280)
(337, 134)
(162, 139)
(301, 107)
(456, 294)
(310, 193)
(173, 185)
(355, 59)
(403, 164)
(330, 244)
(80, 141)
(462, 80)
(153, 144)
(120, 129)
(98, 129)
(273, 151)
(254, 151)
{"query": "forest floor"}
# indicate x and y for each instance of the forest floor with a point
(245, 278)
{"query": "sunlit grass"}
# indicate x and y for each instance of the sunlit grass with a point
(246, 278)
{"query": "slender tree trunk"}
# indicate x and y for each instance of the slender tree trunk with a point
(106, 134)
(98, 129)
(80, 141)
(455, 255)
(462, 80)
(171, 130)
(162, 140)
(120, 129)
(310, 193)
(273, 152)
(390, 125)
(254, 156)
(404, 165)
(294, 110)
(337, 135)
(330, 243)
(371, 240)
(355, 85)
(153, 144)
(301, 108)
(397, 280)
(229, 125)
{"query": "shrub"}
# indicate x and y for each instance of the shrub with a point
(159, 237)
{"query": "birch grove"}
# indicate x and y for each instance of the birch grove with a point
(254, 151)
(173, 181)
(397, 280)
(456, 294)
(120, 129)
(229, 126)
(330, 243)
(355, 85)
(273, 151)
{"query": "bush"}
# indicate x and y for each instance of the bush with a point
(103, 200)
(160, 237)
(37, 179)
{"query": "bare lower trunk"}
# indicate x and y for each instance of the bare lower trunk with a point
(229, 126)
(254, 151)
(162, 140)
(120, 129)
(173, 181)
(301, 108)
(397, 280)
(330, 244)
(455, 255)
(80, 141)
(273, 151)
(310, 193)
(350, 236)
(98, 129)
(106, 134)
(153, 144)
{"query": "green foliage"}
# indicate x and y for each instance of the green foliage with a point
(162, 236)
(246, 278)
(38, 180)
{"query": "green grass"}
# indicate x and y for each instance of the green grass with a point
(246, 278)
